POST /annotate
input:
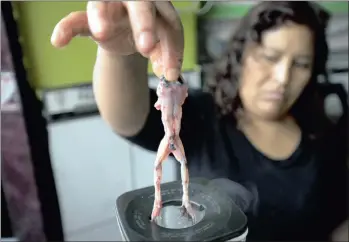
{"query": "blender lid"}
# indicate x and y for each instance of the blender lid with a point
(222, 220)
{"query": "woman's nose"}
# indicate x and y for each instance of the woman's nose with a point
(282, 73)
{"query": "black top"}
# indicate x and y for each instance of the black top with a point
(295, 195)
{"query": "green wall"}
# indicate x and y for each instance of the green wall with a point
(50, 68)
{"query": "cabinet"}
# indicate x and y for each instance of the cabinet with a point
(106, 231)
(92, 168)
(143, 168)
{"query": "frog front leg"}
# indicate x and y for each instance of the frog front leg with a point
(157, 105)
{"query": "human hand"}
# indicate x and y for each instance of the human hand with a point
(153, 29)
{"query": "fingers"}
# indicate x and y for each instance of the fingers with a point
(101, 18)
(156, 60)
(171, 37)
(142, 19)
(156, 30)
(168, 55)
(169, 14)
(172, 56)
(72, 25)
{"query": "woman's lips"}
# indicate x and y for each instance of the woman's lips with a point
(273, 96)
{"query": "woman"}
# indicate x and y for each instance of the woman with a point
(261, 125)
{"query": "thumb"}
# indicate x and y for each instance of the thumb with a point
(70, 26)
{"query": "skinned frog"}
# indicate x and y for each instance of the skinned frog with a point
(171, 97)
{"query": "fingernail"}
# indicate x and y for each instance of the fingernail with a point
(53, 37)
(172, 74)
(157, 68)
(155, 63)
(145, 39)
(57, 38)
(96, 27)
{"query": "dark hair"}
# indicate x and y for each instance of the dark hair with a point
(262, 17)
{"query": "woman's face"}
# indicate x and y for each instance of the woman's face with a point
(275, 73)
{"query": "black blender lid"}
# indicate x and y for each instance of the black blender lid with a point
(223, 220)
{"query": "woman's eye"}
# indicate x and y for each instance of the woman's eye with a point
(271, 58)
(302, 65)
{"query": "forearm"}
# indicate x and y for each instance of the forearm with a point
(120, 85)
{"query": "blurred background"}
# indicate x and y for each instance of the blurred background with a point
(62, 166)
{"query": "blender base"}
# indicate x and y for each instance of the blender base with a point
(218, 218)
